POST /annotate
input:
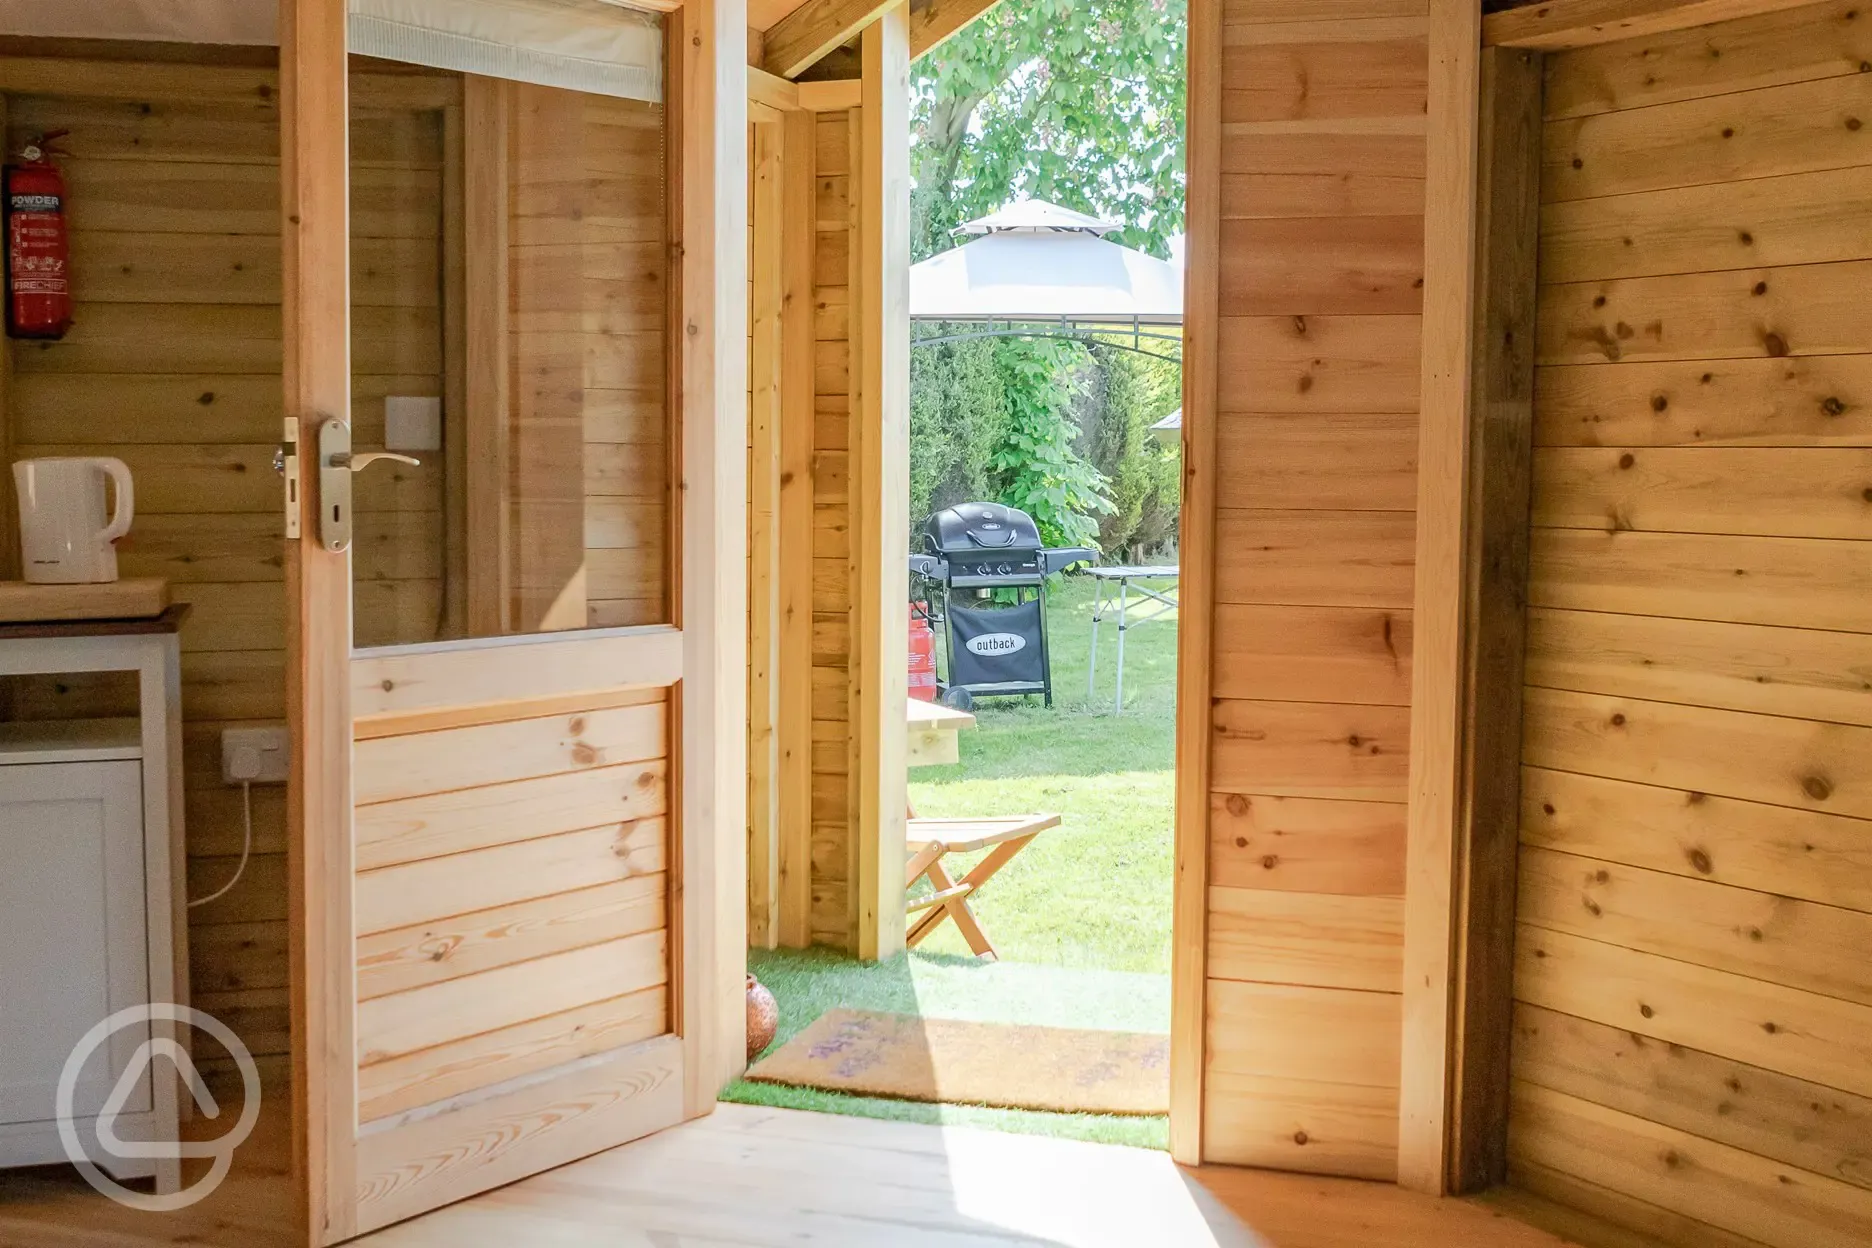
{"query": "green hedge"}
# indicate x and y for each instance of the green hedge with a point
(1058, 429)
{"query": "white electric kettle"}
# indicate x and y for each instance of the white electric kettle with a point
(64, 537)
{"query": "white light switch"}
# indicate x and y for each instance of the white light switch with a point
(412, 424)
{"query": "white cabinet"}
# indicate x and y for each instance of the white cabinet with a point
(91, 908)
(72, 927)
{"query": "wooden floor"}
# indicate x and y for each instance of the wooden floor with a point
(763, 1178)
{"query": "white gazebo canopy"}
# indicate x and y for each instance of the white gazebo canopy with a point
(1034, 261)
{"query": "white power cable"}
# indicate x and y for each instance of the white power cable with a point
(246, 846)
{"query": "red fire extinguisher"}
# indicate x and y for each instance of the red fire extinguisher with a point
(38, 283)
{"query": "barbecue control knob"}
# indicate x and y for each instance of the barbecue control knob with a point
(1005, 569)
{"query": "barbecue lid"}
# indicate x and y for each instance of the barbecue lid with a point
(980, 526)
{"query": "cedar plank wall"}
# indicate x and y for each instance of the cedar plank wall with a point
(173, 365)
(833, 919)
(1321, 253)
(1693, 1041)
(588, 290)
(625, 327)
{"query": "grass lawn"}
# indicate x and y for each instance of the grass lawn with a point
(1081, 918)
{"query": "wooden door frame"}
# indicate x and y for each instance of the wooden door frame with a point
(1189, 924)
(707, 110)
(315, 323)
(1475, 452)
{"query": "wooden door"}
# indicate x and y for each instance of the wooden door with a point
(517, 869)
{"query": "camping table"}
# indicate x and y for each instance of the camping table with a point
(1115, 589)
(931, 840)
(933, 729)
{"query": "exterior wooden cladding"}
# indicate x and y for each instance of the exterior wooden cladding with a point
(1695, 894)
(798, 316)
(833, 900)
(1316, 213)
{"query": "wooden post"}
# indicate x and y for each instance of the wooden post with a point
(316, 320)
(764, 420)
(1201, 301)
(1501, 439)
(799, 239)
(1442, 554)
(880, 456)
(707, 98)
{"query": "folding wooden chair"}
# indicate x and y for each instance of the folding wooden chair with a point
(931, 840)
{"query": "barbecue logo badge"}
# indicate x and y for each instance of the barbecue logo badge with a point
(138, 1019)
(993, 645)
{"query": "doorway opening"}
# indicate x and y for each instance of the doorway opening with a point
(1030, 863)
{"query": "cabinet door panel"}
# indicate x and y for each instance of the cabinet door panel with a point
(72, 933)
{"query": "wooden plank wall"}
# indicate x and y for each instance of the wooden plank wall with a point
(173, 364)
(834, 916)
(1321, 245)
(512, 888)
(1693, 1041)
(589, 429)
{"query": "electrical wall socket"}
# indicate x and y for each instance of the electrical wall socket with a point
(255, 755)
(412, 423)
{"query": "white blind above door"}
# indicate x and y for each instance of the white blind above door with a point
(583, 45)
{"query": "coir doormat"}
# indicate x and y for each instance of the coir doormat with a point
(1008, 1065)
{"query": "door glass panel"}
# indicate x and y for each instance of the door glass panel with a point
(509, 309)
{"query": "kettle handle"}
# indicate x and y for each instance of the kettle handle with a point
(119, 473)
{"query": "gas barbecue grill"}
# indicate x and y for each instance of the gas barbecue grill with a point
(992, 649)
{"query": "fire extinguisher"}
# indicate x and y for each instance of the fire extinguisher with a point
(38, 281)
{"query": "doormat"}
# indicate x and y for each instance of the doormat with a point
(1006, 1065)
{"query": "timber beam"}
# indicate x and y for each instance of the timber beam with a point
(1556, 25)
(932, 21)
(814, 36)
(808, 33)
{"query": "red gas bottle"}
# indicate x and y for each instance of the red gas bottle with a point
(38, 285)
(922, 655)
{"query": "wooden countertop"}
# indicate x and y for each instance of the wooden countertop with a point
(168, 622)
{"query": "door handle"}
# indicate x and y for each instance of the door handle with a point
(358, 463)
(336, 466)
